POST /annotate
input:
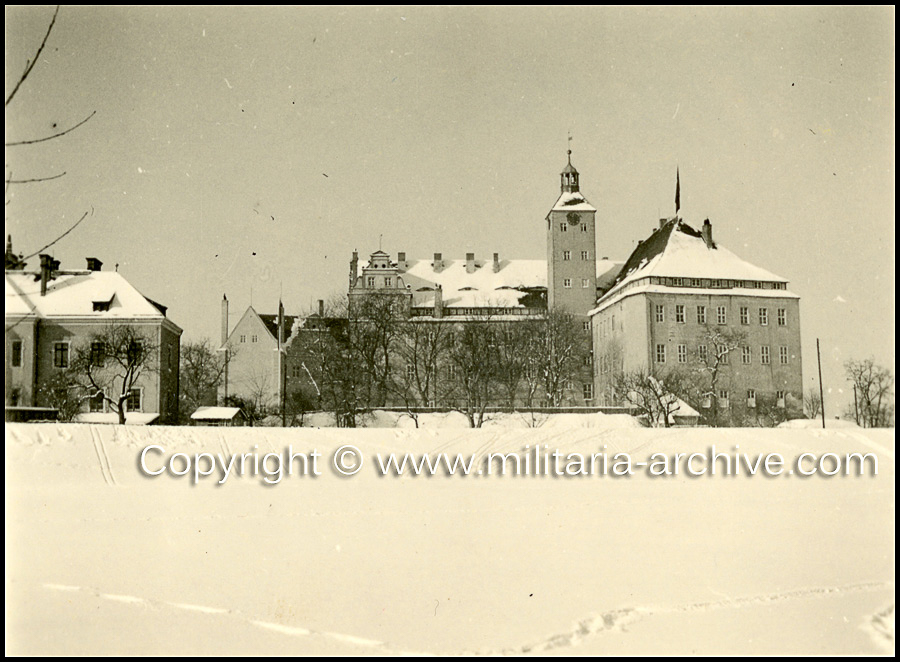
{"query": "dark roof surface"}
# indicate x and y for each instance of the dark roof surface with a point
(271, 322)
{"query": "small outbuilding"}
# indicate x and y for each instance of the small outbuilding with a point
(222, 416)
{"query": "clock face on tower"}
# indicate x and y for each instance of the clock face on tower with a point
(572, 217)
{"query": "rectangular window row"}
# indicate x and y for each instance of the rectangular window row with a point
(721, 315)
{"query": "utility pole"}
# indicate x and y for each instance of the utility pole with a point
(821, 388)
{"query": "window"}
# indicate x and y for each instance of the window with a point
(61, 355)
(567, 255)
(779, 399)
(588, 391)
(243, 338)
(701, 314)
(584, 227)
(751, 398)
(135, 352)
(660, 353)
(782, 317)
(97, 354)
(585, 282)
(563, 227)
(763, 316)
(567, 282)
(585, 255)
(745, 355)
(134, 400)
(370, 282)
(410, 371)
(296, 371)
(682, 353)
(587, 361)
(388, 281)
(16, 354)
(95, 403)
(451, 372)
(660, 313)
(783, 355)
(586, 325)
(677, 282)
(722, 352)
(703, 353)
(721, 315)
(254, 338)
(723, 399)
(679, 314)
(764, 355)
(745, 315)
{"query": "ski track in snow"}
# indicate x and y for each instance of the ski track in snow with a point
(880, 626)
(287, 630)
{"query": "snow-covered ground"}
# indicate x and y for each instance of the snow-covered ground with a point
(101, 559)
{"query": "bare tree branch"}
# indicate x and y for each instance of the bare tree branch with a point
(31, 64)
(83, 216)
(56, 135)
(31, 181)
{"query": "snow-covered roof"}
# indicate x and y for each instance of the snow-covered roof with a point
(97, 294)
(676, 250)
(215, 413)
(112, 418)
(572, 201)
(505, 288)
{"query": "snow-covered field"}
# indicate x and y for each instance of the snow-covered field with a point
(101, 559)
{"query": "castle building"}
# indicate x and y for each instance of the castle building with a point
(684, 303)
(52, 312)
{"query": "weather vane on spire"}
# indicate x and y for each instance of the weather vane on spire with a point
(570, 145)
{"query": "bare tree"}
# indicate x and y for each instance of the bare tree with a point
(112, 362)
(655, 397)
(812, 403)
(29, 66)
(472, 360)
(712, 361)
(421, 350)
(874, 385)
(201, 372)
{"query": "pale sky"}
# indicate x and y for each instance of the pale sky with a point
(255, 148)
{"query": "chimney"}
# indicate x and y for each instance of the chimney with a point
(46, 268)
(438, 301)
(354, 269)
(93, 264)
(496, 262)
(706, 232)
(321, 308)
(662, 222)
(224, 319)
(401, 261)
(54, 266)
(470, 263)
(438, 263)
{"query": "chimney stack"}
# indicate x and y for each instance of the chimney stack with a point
(706, 232)
(224, 319)
(438, 301)
(46, 268)
(321, 308)
(401, 261)
(470, 263)
(438, 263)
(354, 269)
(93, 264)
(496, 262)
(662, 222)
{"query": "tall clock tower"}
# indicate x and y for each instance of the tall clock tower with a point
(571, 248)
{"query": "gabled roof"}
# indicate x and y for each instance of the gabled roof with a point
(99, 294)
(678, 250)
(271, 322)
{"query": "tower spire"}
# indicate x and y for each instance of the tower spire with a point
(568, 182)
(677, 190)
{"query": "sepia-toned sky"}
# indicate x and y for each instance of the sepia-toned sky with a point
(250, 150)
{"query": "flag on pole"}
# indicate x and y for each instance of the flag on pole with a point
(677, 191)
(280, 323)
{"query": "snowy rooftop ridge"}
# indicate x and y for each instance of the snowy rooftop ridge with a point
(484, 286)
(676, 250)
(97, 294)
(572, 201)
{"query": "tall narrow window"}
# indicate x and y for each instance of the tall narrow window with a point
(745, 315)
(779, 399)
(16, 354)
(703, 353)
(682, 353)
(763, 316)
(585, 255)
(721, 315)
(563, 227)
(783, 355)
(588, 391)
(701, 314)
(745, 355)
(567, 255)
(660, 313)
(723, 399)
(61, 355)
(134, 400)
(764, 355)
(585, 282)
(782, 317)
(751, 398)
(567, 282)
(660, 353)
(679, 314)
